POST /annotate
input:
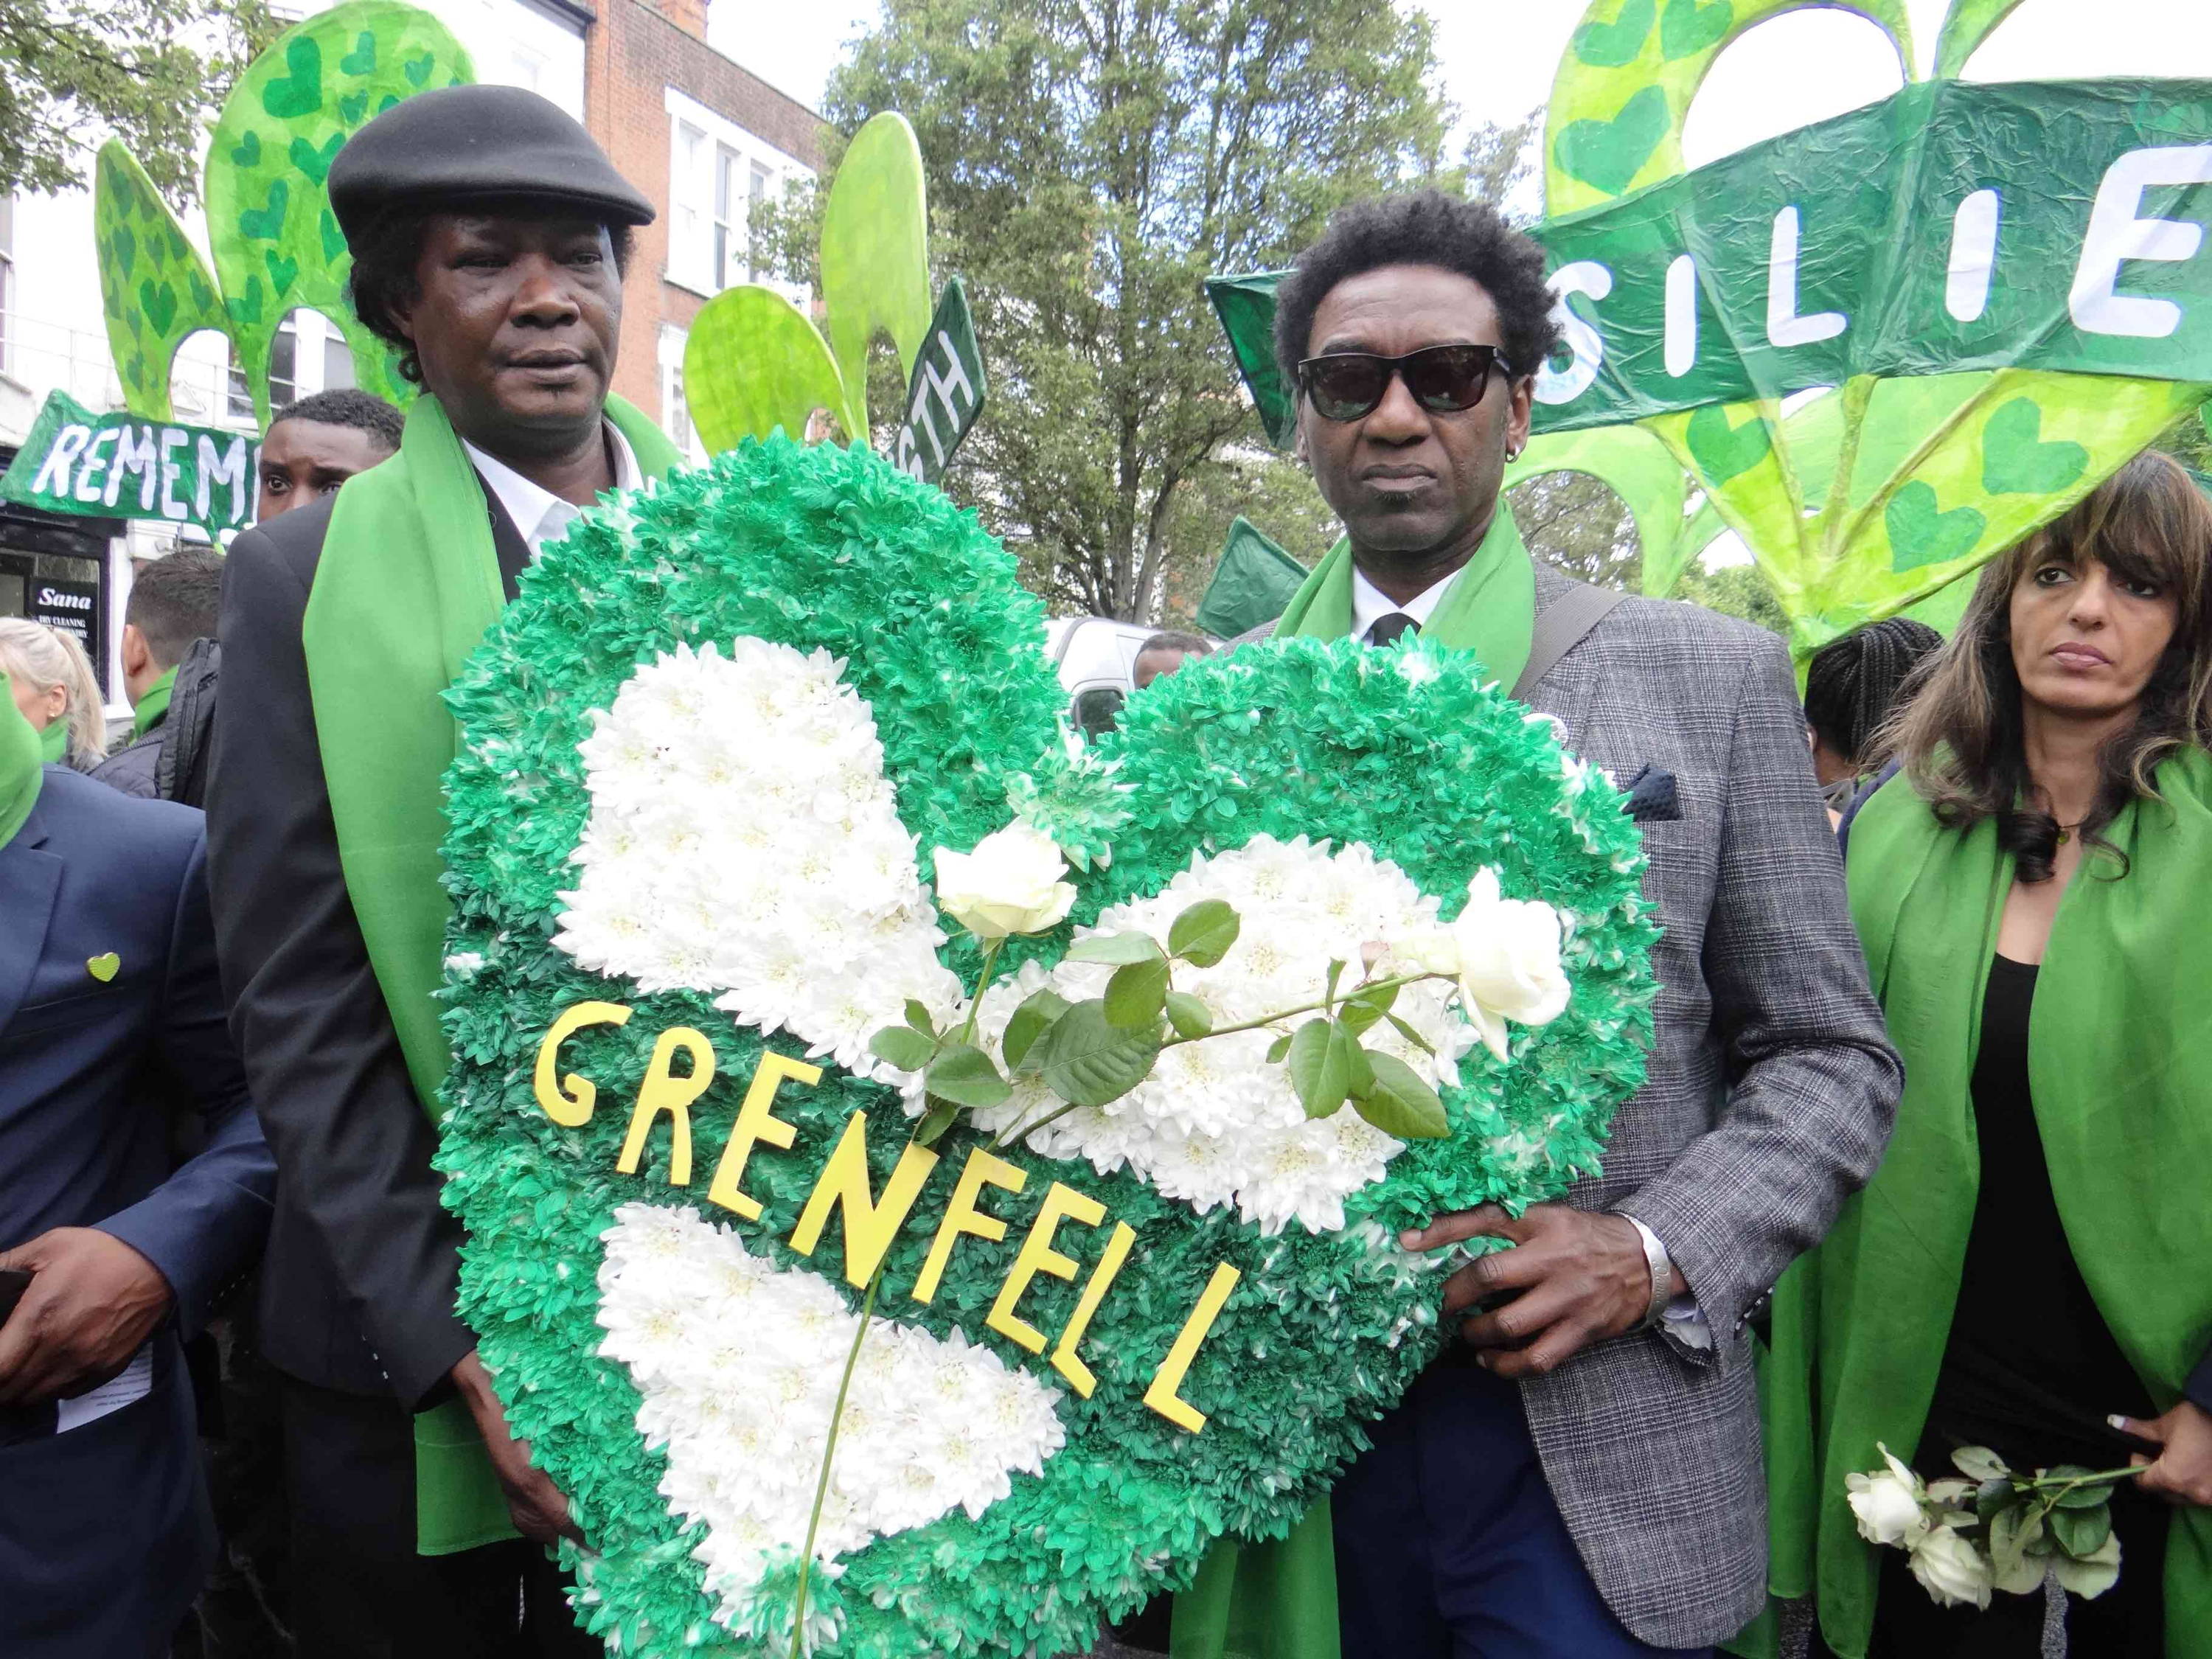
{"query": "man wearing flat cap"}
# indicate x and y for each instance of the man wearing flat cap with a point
(488, 235)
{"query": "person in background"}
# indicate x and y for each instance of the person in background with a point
(112, 1016)
(2031, 1269)
(316, 444)
(54, 685)
(1164, 653)
(1850, 689)
(171, 610)
(488, 235)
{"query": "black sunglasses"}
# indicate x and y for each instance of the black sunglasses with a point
(1347, 386)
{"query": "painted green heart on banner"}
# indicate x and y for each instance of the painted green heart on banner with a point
(2016, 462)
(1605, 153)
(1725, 452)
(1618, 42)
(298, 90)
(1689, 26)
(1922, 533)
(678, 1178)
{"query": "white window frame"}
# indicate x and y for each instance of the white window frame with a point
(693, 178)
(675, 409)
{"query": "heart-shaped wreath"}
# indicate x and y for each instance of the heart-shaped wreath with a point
(707, 757)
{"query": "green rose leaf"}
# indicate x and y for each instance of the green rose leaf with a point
(1030, 1022)
(2010, 1534)
(1410, 1035)
(2091, 1578)
(2081, 1532)
(918, 1018)
(1978, 1463)
(1088, 1061)
(1202, 934)
(1119, 949)
(1137, 993)
(898, 1046)
(1189, 1017)
(942, 1115)
(1278, 1050)
(1321, 1065)
(1398, 1103)
(966, 1076)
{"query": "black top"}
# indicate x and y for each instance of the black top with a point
(2031, 1370)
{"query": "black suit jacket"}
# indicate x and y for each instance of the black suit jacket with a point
(357, 1289)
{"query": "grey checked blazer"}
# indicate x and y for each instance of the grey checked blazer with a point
(1771, 1091)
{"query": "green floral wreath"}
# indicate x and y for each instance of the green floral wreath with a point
(827, 549)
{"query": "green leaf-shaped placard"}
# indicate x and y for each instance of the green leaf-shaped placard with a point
(275, 244)
(155, 286)
(1968, 24)
(1629, 76)
(753, 363)
(875, 255)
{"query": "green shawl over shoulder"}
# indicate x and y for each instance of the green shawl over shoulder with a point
(21, 766)
(153, 706)
(1278, 1599)
(2120, 1070)
(408, 583)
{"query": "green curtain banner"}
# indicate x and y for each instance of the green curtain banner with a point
(2049, 225)
(124, 466)
(1251, 584)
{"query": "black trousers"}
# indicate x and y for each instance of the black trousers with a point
(358, 1590)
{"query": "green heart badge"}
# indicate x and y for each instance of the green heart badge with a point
(754, 774)
(104, 967)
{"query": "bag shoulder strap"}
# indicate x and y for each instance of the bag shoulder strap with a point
(1560, 626)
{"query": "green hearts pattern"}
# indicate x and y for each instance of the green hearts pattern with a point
(1688, 26)
(1607, 154)
(1722, 451)
(1619, 43)
(1922, 533)
(274, 243)
(2016, 462)
(813, 549)
(155, 291)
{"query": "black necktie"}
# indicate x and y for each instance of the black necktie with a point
(1386, 630)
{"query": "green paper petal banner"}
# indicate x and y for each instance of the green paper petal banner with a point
(154, 287)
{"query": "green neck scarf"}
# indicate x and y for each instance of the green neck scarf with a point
(2117, 1055)
(153, 706)
(53, 741)
(1490, 608)
(408, 583)
(20, 765)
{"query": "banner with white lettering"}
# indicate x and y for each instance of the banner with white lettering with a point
(944, 394)
(125, 466)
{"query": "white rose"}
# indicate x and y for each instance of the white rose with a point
(1888, 1510)
(1011, 883)
(1509, 961)
(1951, 1570)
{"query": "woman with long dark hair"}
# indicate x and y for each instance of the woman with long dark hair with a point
(2031, 1269)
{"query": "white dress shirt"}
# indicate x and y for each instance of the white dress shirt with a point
(539, 514)
(1369, 604)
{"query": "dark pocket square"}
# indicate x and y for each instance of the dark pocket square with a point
(1651, 798)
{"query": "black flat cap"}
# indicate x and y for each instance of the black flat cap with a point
(444, 150)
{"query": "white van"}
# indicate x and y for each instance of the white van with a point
(1096, 657)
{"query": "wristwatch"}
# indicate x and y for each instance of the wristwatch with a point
(1663, 1273)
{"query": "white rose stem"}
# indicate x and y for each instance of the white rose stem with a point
(1020, 1132)
(852, 1354)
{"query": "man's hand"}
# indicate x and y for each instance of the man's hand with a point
(92, 1302)
(2182, 1474)
(534, 1504)
(1575, 1277)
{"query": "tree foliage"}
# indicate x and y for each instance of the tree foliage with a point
(151, 72)
(1090, 163)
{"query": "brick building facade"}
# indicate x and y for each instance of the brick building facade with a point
(703, 138)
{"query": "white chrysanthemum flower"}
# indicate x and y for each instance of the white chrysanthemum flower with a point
(743, 841)
(737, 1362)
(1214, 1124)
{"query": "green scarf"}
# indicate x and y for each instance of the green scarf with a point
(20, 766)
(408, 583)
(1278, 1599)
(1490, 608)
(2117, 1049)
(53, 741)
(153, 706)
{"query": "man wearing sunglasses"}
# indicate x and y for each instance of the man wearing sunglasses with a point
(1579, 1475)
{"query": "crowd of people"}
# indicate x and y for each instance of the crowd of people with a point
(1923, 1123)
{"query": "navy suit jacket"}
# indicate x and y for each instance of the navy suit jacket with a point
(103, 1530)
